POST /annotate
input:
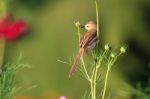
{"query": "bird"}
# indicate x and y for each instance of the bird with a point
(87, 42)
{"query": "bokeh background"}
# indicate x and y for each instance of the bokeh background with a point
(52, 36)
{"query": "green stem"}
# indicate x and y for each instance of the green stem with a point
(83, 64)
(3, 11)
(105, 83)
(95, 71)
(112, 61)
(79, 33)
(2, 49)
(92, 94)
(94, 82)
(92, 85)
(98, 64)
(97, 17)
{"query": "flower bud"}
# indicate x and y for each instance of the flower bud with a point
(106, 47)
(112, 55)
(77, 24)
(122, 49)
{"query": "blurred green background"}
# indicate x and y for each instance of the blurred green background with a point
(52, 36)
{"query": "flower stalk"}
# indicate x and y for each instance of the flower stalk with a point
(2, 49)
(95, 73)
(105, 82)
(112, 59)
(2, 40)
(97, 17)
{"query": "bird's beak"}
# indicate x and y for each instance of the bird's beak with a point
(82, 26)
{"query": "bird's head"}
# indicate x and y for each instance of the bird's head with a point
(91, 25)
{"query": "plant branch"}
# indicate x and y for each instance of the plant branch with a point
(97, 17)
(105, 82)
(85, 70)
(79, 33)
(2, 40)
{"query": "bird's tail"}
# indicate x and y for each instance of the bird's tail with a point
(76, 62)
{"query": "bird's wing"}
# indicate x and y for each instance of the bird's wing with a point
(87, 39)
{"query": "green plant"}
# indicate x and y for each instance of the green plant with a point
(100, 58)
(8, 84)
(142, 92)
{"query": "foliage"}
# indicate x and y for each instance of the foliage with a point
(142, 92)
(8, 84)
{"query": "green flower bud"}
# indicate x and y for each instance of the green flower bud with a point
(112, 55)
(106, 47)
(122, 49)
(77, 24)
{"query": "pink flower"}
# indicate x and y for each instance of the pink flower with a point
(63, 97)
(11, 30)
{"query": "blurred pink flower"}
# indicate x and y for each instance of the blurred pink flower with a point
(63, 97)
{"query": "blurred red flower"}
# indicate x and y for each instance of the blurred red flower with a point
(10, 29)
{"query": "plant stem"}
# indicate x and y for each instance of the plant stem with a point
(97, 17)
(95, 78)
(2, 48)
(83, 64)
(92, 85)
(98, 64)
(2, 40)
(95, 71)
(79, 33)
(105, 83)
(92, 92)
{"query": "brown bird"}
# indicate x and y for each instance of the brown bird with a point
(87, 41)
